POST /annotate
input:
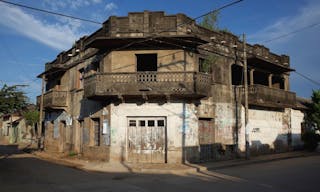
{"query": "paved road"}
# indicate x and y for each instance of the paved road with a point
(23, 172)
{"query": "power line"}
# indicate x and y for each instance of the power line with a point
(308, 78)
(50, 12)
(291, 33)
(181, 24)
(219, 9)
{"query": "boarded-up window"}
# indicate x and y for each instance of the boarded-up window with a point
(96, 128)
(106, 132)
(56, 130)
(85, 136)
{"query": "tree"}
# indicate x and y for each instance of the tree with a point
(31, 117)
(210, 21)
(12, 99)
(313, 115)
(310, 137)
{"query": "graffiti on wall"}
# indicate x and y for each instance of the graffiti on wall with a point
(224, 120)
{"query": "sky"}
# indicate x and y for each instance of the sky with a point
(29, 39)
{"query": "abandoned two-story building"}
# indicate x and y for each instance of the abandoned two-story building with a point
(159, 88)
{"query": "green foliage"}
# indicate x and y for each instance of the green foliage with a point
(310, 139)
(31, 117)
(207, 63)
(313, 115)
(73, 153)
(210, 21)
(11, 99)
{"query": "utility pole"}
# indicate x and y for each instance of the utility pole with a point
(245, 71)
(40, 114)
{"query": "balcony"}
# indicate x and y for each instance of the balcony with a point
(174, 84)
(54, 99)
(260, 95)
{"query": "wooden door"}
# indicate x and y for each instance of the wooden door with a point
(146, 139)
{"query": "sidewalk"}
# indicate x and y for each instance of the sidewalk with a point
(253, 160)
(114, 167)
(124, 167)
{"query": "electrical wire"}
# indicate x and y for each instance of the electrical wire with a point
(291, 33)
(50, 12)
(308, 78)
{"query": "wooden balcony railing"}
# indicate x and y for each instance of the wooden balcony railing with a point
(185, 84)
(261, 95)
(54, 99)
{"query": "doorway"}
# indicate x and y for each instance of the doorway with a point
(147, 139)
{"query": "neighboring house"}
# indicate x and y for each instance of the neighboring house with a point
(14, 129)
(159, 88)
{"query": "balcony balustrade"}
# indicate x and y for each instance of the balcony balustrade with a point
(261, 95)
(180, 84)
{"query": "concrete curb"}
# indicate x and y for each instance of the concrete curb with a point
(130, 169)
(190, 168)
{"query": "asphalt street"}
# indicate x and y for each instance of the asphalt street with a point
(24, 172)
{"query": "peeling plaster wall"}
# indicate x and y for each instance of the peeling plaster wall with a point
(178, 123)
(224, 123)
(54, 140)
(297, 117)
(167, 60)
(268, 130)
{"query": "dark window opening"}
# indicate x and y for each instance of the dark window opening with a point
(53, 83)
(142, 123)
(151, 123)
(260, 78)
(205, 65)
(237, 74)
(160, 123)
(277, 82)
(146, 62)
(93, 68)
(80, 79)
(132, 123)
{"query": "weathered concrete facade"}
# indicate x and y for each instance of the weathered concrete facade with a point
(13, 129)
(158, 88)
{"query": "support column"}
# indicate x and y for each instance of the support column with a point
(286, 82)
(40, 136)
(270, 80)
(251, 77)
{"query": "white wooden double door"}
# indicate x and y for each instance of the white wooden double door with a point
(146, 139)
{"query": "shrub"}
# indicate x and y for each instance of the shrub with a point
(310, 139)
